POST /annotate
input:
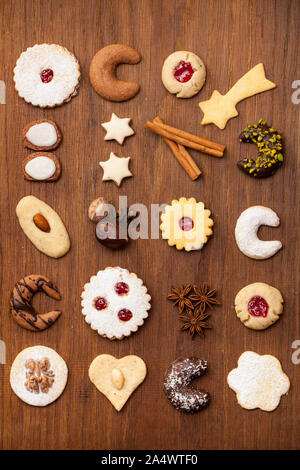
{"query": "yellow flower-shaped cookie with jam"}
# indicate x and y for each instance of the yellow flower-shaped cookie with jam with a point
(186, 224)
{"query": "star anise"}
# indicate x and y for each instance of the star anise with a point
(194, 322)
(179, 296)
(203, 297)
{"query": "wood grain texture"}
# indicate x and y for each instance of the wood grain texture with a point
(231, 37)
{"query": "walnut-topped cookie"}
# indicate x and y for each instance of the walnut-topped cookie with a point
(38, 375)
(258, 305)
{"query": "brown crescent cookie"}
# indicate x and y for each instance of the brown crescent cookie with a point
(21, 307)
(42, 134)
(103, 72)
(41, 166)
(178, 388)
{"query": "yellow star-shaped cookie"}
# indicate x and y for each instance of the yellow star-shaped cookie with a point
(117, 128)
(115, 169)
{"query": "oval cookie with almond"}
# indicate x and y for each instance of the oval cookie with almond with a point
(43, 226)
(41, 166)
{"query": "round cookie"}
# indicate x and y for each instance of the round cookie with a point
(38, 375)
(186, 224)
(183, 74)
(47, 75)
(43, 134)
(178, 388)
(115, 303)
(258, 305)
(41, 166)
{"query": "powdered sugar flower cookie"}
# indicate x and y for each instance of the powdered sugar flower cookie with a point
(186, 224)
(38, 375)
(259, 381)
(47, 75)
(115, 302)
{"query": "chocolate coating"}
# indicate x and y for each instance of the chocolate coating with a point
(112, 240)
(178, 388)
(270, 150)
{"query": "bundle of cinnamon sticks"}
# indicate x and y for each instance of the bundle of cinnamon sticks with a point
(177, 140)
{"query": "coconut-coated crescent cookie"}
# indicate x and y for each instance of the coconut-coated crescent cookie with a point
(186, 224)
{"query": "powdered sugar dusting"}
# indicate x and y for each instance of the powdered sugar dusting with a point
(106, 321)
(258, 381)
(27, 75)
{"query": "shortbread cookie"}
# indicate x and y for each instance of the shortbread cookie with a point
(258, 381)
(258, 305)
(103, 72)
(38, 375)
(47, 75)
(117, 379)
(43, 226)
(246, 230)
(117, 128)
(42, 135)
(178, 384)
(115, 169)
(21, 306)
(41, 166)
(115, 303)
(186, 224)
(220, 108)
(183, 74)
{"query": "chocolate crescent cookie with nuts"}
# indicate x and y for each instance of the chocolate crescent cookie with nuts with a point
(270, 150)
(21, 302)
(178, 388)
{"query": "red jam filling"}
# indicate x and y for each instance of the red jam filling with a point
(47, 75)
(186, 224)
(125, 314)
(100, 303)
(121, 288)
(183, 72)
(258, 307)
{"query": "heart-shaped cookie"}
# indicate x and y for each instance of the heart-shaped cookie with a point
(117, 378)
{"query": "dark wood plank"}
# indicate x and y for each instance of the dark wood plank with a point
(231, 37)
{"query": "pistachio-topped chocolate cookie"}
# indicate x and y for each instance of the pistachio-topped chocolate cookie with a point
(270, 150)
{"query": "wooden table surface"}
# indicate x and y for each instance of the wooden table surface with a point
(231, 37)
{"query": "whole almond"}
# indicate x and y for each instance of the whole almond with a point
(117, 378)
(41, 222)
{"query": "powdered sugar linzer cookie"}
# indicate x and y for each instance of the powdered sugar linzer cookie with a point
(38, 375)
(259, 381)
(115, 302)
(47, 75)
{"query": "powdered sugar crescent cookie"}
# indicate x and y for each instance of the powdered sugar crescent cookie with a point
(47, 75)
(186, 224)
(258, 305)
(43, 226)
(183, 74)
(41, 166)
(38, 375)
(115, 302)
(117, 379)
(258, 381)
(43, 134)
(246, 230)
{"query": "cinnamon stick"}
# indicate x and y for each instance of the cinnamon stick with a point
(180, 140)
(191, 137)
(182, 156)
